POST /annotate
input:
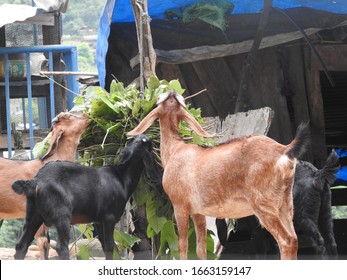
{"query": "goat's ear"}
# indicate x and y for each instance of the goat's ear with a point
(152, 168)
(145, 123)
(194, 124)
(53, 144)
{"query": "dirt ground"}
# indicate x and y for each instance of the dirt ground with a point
(7, 254)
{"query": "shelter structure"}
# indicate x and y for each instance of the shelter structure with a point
(299, 69)
(204, 44)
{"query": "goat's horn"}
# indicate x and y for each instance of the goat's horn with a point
(180, 99)
(162, 97)
(56, 119)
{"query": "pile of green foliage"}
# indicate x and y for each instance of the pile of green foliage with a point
(112, 115)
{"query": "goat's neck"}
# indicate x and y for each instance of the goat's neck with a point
(66, 150)
(131, 173)
(169, 139)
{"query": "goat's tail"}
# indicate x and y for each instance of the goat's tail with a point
(327, 175)
(26, 187)
(299, 145)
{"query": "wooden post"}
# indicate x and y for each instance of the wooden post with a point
(147, 54)
(242, 104)
(316, 109)
(148, 59)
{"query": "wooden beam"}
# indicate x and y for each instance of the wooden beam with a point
(171, 72)
(316, 108)
(296, 70)
(215, 76)
(242, 102)
(333, 55)
(203, 100)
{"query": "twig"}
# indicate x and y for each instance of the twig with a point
(195, 94)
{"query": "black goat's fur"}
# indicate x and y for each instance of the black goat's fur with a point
(312, 214)
(64, 193)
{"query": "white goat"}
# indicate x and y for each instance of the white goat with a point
(245, 176)
(67, 130)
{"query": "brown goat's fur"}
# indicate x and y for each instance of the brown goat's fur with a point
(249, 175)
(66, 133)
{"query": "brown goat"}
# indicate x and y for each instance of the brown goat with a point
(248, 175)
(67, 130)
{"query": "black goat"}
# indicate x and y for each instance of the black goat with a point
(312, 214)
(64, 193)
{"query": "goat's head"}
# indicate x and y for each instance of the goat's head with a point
(67, 125)
(171, 106)
(141, 147)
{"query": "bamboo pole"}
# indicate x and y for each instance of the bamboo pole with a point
(147, 54)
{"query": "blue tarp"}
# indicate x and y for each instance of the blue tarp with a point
(123, 11)
(341, 175)
(120, 11)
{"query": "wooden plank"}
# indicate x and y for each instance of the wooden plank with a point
(252, 122)
(333, 56)
(242, 102)
(265, 89)
(316, 108)
(298, 88)
(202, 101)
(171, 72)
(215, 76)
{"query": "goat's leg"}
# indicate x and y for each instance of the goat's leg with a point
(108, 228)
(326, 224)
(200, 231)
(100, 229)
(42, 240)
(29, 230)
(63, 231)
(312, 231)
(286, 239)
(182, 220)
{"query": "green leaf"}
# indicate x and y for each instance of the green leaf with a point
(136, 108)
(176, 86)
(83, 253)
(168, 239)
(87, 230)
(117, 89)
(124, 239)
(41, 148)
(153, 83)
(154, 222)
(141, 193)
(116, 254)
(105, 98)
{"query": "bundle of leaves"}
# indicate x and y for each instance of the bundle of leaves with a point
(210, 11)
(112, 115)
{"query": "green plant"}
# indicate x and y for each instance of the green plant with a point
(115, 113)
